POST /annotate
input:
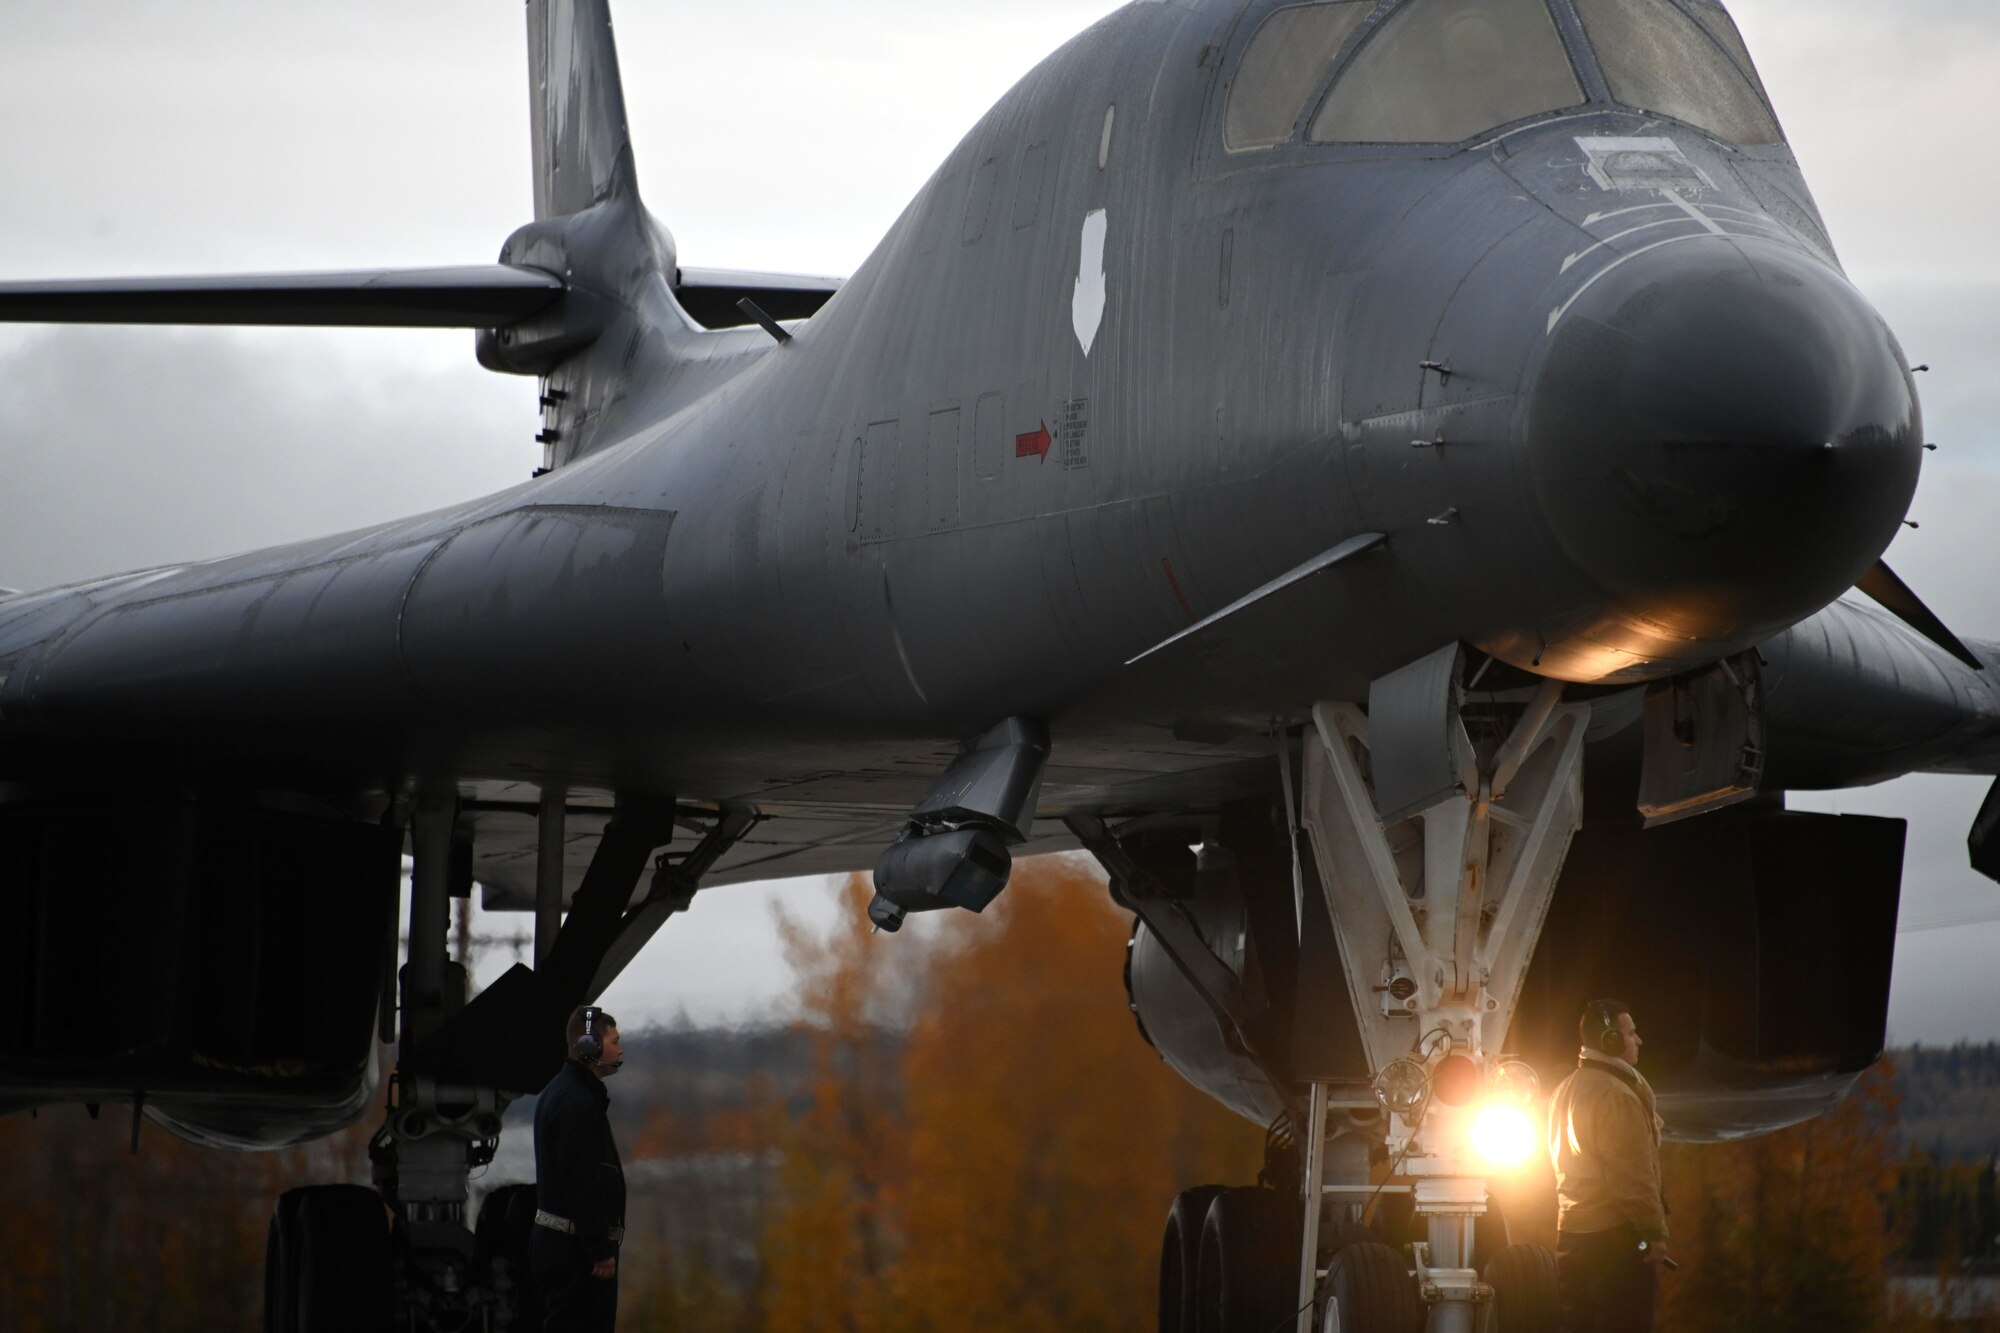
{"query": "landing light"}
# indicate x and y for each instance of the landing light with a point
(1514, 1080)
(1402, 1087)
(1504, 1135)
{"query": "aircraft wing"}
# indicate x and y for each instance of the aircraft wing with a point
(842, 823)
(788, 840)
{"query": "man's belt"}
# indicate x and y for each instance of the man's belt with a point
(544, 1218)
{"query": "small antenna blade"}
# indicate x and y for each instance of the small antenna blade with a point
(764, 321)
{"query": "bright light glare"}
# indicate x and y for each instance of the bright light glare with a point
(1504, 1135)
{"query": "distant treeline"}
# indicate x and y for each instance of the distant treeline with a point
(703, 1080)
(1950, 1100)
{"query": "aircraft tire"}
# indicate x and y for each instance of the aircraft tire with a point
(1332, 1242)
(1523, 1278)
(1373, 1291)
(501, 1238)
(1180, 1257)
(281, 1266)
(344, 1281)
(1247, 1274)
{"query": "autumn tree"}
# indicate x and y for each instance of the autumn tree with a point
(1045, 1138)
(827, 1248)
(169, 1238)
(1787, 1231)
(1021, 1179)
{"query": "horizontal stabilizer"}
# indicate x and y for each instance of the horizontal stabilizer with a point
(710, 295)
(479, 296)
(1895, 597)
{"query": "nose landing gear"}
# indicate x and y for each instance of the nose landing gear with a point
(1439, 827)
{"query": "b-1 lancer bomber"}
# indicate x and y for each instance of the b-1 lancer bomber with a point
(1402, 483)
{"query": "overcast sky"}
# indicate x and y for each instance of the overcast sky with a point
(163, 136)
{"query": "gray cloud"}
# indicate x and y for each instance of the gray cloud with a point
(129, 447)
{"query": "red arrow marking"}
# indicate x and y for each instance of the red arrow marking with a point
(1033, 444)
(1167, 564)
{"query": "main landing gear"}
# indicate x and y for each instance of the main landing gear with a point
(401, 1255)
(1438, 825)
(405, 1255)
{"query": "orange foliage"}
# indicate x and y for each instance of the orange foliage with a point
(824, 1250)
(173, 1238)
(1786, 1231)
(1022, 1180)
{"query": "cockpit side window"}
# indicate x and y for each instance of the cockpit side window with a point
(1441, 71)
(1658, 59)
(1291, 52)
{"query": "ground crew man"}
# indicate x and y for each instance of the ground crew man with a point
(1604, 1139)
(579, 1184)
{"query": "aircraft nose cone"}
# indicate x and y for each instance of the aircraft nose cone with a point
(1723, 435)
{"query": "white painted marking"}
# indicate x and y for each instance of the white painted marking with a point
(1615, 237)
(1749, 213)
(1104, 140)
(1627, 144)
(1086, 303)
(1555, 316)
(1627, 164)
(1744, 215)
(1595, 218)
(1714, 227)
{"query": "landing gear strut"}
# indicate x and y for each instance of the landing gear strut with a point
(437, 1130)
(1439, 827)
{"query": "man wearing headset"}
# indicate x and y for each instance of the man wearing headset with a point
(579, 1184)
(1604, 1139)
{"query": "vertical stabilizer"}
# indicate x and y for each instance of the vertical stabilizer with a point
(583, 153)
(615, 260)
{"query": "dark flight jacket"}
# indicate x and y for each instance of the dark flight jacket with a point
(577, 1174)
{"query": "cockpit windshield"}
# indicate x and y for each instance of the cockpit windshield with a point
(1441, 71)
(1657, 59)
(1444, 71)
(1281, 71)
